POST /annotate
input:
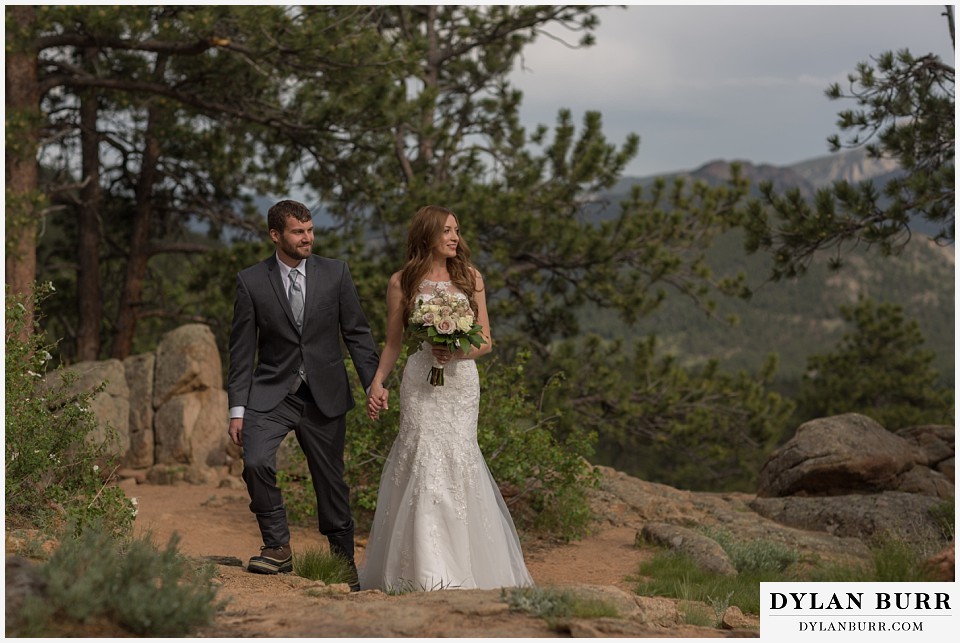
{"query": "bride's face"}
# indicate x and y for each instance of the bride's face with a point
(449, 239)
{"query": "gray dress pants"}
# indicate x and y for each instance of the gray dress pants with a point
(322, 441)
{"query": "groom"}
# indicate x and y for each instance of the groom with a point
(287, 373)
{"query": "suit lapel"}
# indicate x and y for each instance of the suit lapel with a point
(276, 281)
(314, 281)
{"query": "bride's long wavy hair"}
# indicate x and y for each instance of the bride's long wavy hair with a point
(425, 230)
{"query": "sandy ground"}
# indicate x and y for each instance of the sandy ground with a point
(213, 521)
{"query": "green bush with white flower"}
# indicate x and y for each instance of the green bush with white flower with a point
(54, 476)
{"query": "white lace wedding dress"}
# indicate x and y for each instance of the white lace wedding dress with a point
(440, 522)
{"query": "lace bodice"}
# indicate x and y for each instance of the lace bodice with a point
(427, 287)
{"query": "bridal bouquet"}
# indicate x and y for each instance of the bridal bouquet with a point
(443, 320)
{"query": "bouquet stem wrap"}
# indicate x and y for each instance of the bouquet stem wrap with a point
(436, 374)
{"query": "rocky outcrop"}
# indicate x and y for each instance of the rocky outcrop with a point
(139, 375)
(848, 476)
(838, 455)
(167, 409)
(110, 405)
(864, 516)
(833, 489)
(623, 500)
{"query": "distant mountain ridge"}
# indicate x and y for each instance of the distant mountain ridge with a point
(799, 317)
(808, 176)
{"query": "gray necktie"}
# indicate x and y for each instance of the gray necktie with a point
(295, 293)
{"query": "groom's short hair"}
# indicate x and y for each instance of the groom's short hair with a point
(279, 211)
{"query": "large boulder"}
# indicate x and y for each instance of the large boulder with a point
(703, 550)
(936, 445)
(623, 500)
(190, 430)
(111, 406)
(905, 516)
(139, 374)
(838, 455)
(187, 361)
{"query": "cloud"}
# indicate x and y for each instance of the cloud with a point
(702, 82)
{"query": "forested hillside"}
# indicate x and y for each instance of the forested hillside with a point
(796, 318)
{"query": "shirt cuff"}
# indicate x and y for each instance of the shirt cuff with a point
(236, 412)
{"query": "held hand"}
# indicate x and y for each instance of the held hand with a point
(442, 354)
(235, 431)
(377, 401)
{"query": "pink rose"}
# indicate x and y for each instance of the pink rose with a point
(446, 326)
(428, 319)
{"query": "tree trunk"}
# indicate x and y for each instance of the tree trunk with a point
(130, 297)
(23, 198)
(89, 290)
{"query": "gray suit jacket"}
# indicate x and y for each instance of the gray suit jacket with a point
(266, 350)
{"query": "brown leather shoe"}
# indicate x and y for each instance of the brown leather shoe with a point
(272, 560)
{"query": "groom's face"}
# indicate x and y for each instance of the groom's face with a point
(295, 243)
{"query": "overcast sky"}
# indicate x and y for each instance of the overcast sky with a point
(700, 83)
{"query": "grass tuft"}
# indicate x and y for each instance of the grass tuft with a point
(320, 564)
(554, 605)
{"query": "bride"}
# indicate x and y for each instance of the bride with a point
(440, 521)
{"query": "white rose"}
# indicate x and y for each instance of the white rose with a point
(464, 324)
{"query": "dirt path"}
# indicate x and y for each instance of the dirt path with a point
(212, 521)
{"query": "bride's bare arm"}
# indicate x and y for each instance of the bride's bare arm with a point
(391, 349)
(480, 296)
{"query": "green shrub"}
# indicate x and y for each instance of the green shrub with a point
(93, 577)
(753, 555)
(944, 513)
(54, 474)
(892, 560)
(553, 605)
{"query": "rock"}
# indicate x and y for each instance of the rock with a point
(111, 406)
(231, 561)
(734, 619)
(624, 500)
(903, 515)
(138, 476)
(657, 610)
(187, 361)
(138, 371)
(22, 580)
(935, 442)
(190, 429)
(624, 603)
(166, 474)
(948, 469)
(925, 481)
(602, 628)
(706, 552)
(942, 565)
(836, 456)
